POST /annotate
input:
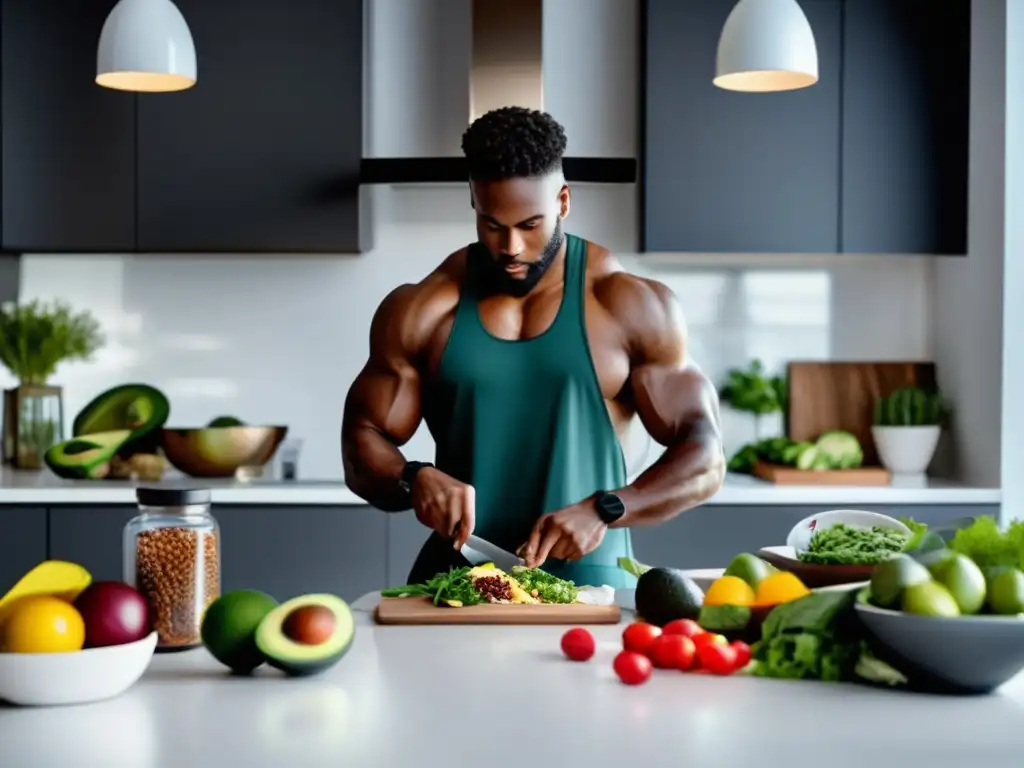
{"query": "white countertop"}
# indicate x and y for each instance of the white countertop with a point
(455, 696)
(44, 488)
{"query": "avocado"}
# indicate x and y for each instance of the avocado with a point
(665, 594)
(307, 634)
(751, 568)
(964, 580)
(137, 407)
(225, 421)
(86, 457)
(229, 628)
(891, 577)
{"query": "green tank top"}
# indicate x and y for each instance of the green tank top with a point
(525, 423)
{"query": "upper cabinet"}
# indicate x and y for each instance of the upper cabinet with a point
(738, 172)
(68, 166)
(906, 112)
(872, 158)
(261, 155)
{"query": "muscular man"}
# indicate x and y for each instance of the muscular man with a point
(528, 353)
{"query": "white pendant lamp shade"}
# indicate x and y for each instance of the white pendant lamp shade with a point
(146, 46)
(766, 45)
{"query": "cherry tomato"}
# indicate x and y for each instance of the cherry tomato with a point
(632, 668)
(717, 658)
(742, 653)
(684, 627)
(578, 644)
(672, 652)
(639, 636)
(710, 638)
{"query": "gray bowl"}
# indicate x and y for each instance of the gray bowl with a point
(965, 654)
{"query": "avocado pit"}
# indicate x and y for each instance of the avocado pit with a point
(309, 625)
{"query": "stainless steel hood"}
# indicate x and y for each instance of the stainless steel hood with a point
(506, 69)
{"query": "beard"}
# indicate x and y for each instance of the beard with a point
(497, 280)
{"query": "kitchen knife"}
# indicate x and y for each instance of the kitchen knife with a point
(479, 551)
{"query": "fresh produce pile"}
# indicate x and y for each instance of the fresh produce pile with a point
(844, 544)
(466, 586)
(835, 449)
(57, 608)
(303, 636)
(980, 570)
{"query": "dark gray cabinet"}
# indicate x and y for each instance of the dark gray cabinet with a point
(711, 535)
(263, 154)
(906, 110)
(872, 158)
(68, 166)
(284, 551)
(22, 543)
(737, 172)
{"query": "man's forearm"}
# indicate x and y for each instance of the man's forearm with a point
(373, 468)
(687, 474)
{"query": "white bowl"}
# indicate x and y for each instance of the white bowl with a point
(800, 536)
(93, 674)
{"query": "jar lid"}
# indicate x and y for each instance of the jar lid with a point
(171, 497)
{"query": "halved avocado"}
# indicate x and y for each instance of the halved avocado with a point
(307, 634)
(140, 408)
(86, 457)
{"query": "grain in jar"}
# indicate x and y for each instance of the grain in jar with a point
(172, 556)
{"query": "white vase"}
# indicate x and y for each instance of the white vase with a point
(906, 450)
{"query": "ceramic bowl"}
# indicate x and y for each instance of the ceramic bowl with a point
(94, 674)
(799, 537)
(964, 654)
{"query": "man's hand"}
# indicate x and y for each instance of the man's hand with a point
(445, 504)
(567, 534)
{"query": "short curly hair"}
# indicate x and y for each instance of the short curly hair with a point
(513, 142)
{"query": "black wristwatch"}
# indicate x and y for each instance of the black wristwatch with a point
(409, 474)
(609, 507)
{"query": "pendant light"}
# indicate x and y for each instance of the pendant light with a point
(146, 46)
(766, 45)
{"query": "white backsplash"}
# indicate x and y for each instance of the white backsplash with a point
(279, 339)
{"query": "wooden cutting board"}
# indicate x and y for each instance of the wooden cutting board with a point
(421, 610)
(862, 476)
(833, 395)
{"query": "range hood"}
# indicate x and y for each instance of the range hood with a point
(505, 70)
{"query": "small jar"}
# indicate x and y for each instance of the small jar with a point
(172, 556)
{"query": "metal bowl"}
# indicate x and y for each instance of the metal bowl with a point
(220, 451)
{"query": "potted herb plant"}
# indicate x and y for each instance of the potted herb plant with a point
(906, 430)
(35, 338)
(754, 391)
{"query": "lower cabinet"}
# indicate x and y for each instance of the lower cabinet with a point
(22, 542)
(711, 535)
(284, 551)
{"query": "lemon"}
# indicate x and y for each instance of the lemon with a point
(729, 590)
(43, 624)
(779, 588)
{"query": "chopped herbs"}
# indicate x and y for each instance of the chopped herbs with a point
(843, 544)
(454, 586)
(548, 588)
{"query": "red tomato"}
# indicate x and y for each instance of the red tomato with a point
(742, 653)
(710, 638)
(639, 636)
(632, 668)
(716, 658)
(672, 652)
(578, 644)
(684, 627)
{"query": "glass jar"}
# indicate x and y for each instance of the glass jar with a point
(172, 556)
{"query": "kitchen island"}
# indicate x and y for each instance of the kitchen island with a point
(503, 696)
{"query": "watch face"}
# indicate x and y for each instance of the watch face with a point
(611, 507)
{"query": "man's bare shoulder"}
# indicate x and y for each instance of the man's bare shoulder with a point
(434, 295)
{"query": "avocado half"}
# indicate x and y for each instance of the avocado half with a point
(139, 408)
(86, 457)
(299, 659)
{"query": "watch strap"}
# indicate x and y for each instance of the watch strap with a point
(409, 473)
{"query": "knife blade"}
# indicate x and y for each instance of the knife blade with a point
(479, 551)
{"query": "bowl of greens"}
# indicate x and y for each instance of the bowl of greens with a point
(952, 608)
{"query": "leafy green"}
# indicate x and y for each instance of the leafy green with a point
(36, 337)
(843, 544)
(550, 589)
(987, 546)
(632, 567)
(751, 390)
(442, 588)
(817, 637)
(917, 533)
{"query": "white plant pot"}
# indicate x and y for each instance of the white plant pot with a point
(906, 450)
